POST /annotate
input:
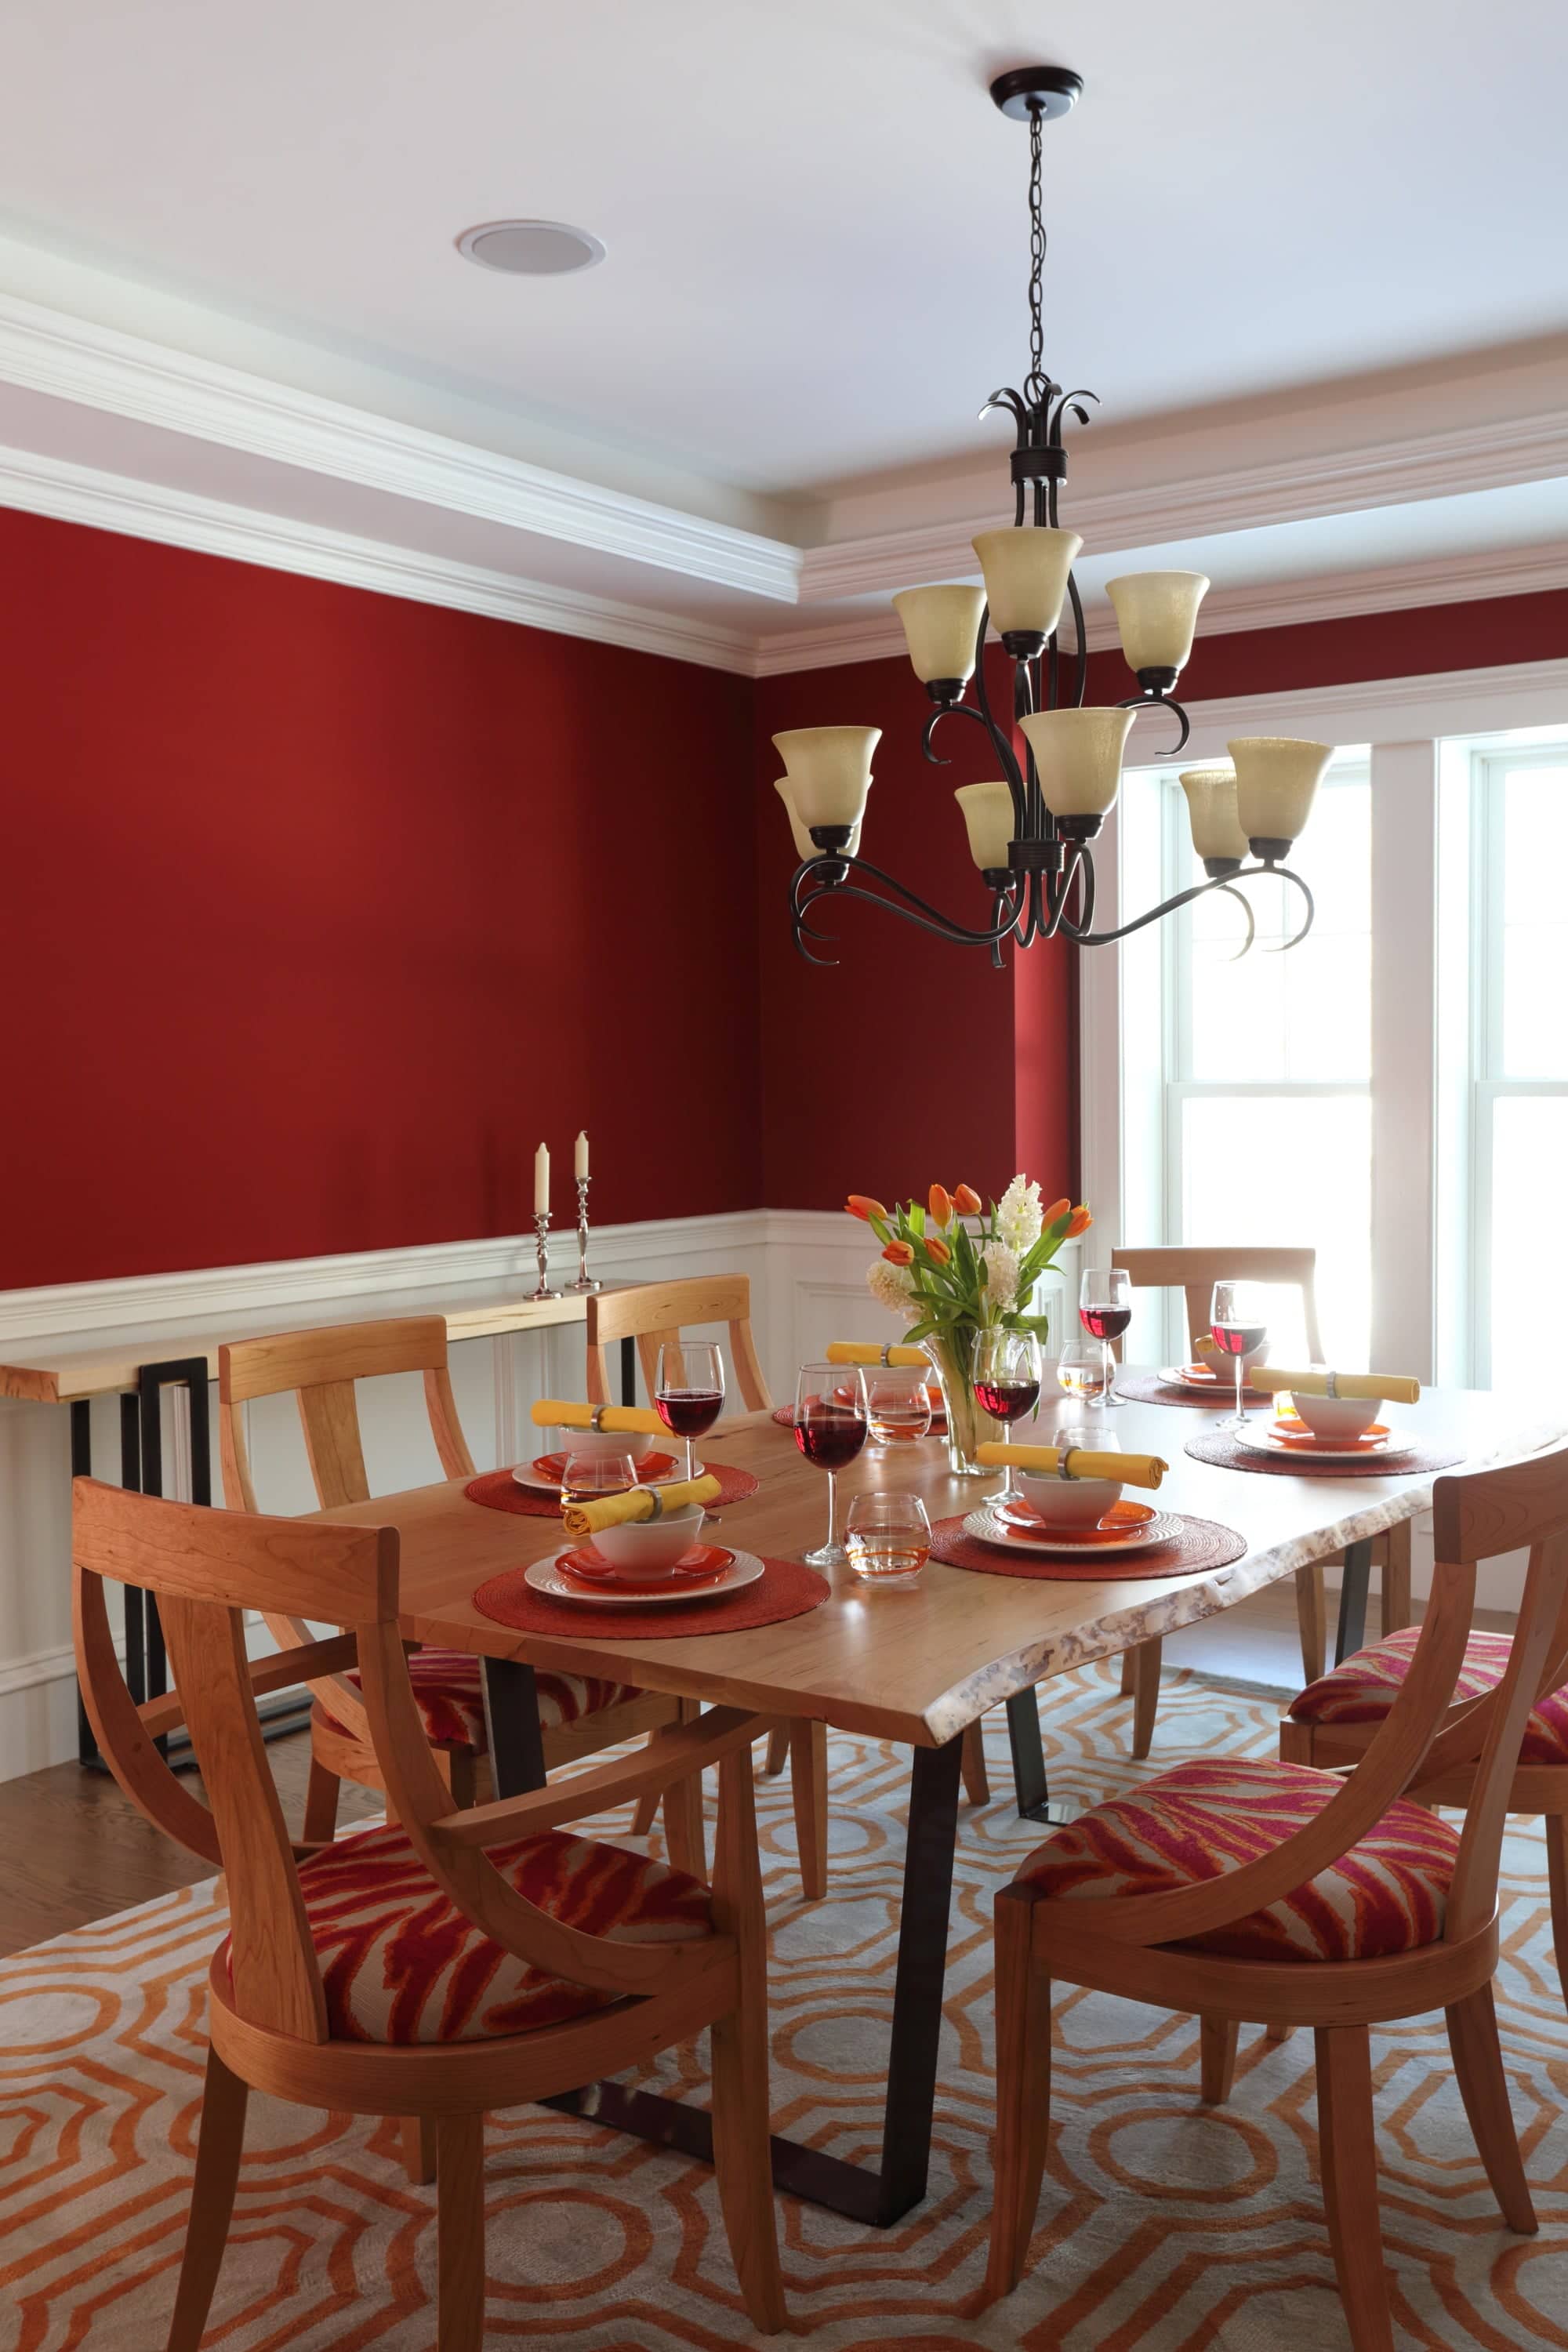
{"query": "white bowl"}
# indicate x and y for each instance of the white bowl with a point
(1224, 1366)
(1339, 1421)
(1068, 1502)
(650, 1546)
(597, 1444)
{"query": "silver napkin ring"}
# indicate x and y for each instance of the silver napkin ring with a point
(887, 1356)
(596, 1423)
(656, 1499)
(1064, 1460)
(1331, 1385)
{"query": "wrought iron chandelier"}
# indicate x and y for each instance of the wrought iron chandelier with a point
(1030, 830)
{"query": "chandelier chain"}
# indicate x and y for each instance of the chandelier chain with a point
(1038, 386)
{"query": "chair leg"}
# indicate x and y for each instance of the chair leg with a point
(1396, 1577)
(1145, 1695)
(1128, 1674)
(1216, 2048)
(809, 1791)
(321, 1822)
(1277, 2032)
(1023, 1998)
(972, 1764)
(460, 2233)
(1311, 1619)
(778, 1750)
(1349, 2160)
(1556, 1827)
(420, 2148)
(738, 2045)
(647, 1812)
(1483, 2086)
(223, 2101)
(457, 1772)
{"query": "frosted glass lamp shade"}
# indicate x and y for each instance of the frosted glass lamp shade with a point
(1211, 812)
(940, 626)
(829, 771)
(803, 845)
(1157, 613)
(988, 816)
(1276, 780)
(1078, 755)
(1025, 577)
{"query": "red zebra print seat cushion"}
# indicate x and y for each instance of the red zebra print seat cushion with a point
(1364, 1688)
(450, 1699)
(1203, 1820)
(401, 1963)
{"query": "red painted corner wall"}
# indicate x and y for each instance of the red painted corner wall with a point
(321, 909)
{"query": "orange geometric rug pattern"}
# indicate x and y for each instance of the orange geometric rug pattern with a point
(1165, 2227)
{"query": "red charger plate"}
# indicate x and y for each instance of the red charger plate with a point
(702, 1564)
(1122, 1519)
(650, 1469)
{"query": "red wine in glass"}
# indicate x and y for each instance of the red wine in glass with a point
(831, 1435)
(1007, 1399)
(688, 1392)
(831, 1426)
(1105, 1322)
(690, 1412)
(1105, 1310)
(1238, 1325)
(1237, 1339)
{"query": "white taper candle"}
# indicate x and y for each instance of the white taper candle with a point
(542, 1180)
(581, 1162)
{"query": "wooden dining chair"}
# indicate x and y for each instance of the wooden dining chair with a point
(459, 1961)
(1247, 1889)
(657, 1313)
(1194, 1272)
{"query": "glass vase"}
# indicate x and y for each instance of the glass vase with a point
(968, 1427)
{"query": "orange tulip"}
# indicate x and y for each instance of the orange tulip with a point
(1080, 1222)
(860, 1204)
(936, 1250)
(939, 1200)
(1057, 1210)
(899, 1254)
(966, 1201)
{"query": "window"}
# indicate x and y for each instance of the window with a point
(1255, 1074)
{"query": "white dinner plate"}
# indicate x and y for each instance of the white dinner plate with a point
(990, 1528)
(1262, 1440)
(523, 1473)
(545, 1576)
(1224, 1392)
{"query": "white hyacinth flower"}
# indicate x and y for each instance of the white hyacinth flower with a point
(1000, 1266)
(893, 1287)
(1019, 1219)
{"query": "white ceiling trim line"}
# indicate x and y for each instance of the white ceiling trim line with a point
(1286, 603)
(99, 367)
(1386, 709)
(83, 494)
(1392, 472)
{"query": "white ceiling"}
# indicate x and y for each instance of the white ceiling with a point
(1313, 260)
(814, 217)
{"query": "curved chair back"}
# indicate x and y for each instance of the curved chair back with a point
(654, 1312)
(1195, 1271)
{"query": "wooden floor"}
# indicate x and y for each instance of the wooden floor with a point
(72, 1849)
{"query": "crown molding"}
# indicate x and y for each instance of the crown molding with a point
(1440, 704)
(1493, 456)
(49, 352)
(105, 501)
(1282, 604)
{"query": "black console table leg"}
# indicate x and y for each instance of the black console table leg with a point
(511, 1721)
(1354, 1586)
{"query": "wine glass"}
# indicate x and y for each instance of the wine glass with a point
(1081, 1370)
(1238, 1323)
(1105, 1309)
(898, 1407)
(1006, 1375)
(830, 1429)
(888, 1537)
(585, 1478)
(689, 1394)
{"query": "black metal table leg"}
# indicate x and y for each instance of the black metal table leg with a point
(1355, 1582)
(629, 1371)
(511, 1722)
(81, 1468)
(135, 1612)
(1029, 1761)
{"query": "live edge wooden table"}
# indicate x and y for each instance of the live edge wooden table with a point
(915, 1666)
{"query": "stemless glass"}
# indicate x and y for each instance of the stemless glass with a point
(1081, 1373)
(1238, 1322)
(898, 1407)
(1006, 1384)
(830, 1429)
(689, 1394)
(888, 1537)
(586, 1476)
(1105, 1309)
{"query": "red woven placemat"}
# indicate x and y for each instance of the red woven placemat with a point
(1202, 1543)
(785, 1589)
(1226, 1455)
(1148, 1388)
(498, 1490)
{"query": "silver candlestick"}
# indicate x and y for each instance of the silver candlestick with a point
(584, 1279)
(542, 1233)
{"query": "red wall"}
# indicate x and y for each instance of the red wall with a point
(320, 908)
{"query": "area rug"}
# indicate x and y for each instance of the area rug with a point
(1165, 2227)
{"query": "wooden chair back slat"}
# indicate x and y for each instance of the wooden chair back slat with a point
(1533, 1656)
(322, 1367)
(1194, 1271)
(656, 1313)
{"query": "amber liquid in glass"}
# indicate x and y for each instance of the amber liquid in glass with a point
(886, 1559)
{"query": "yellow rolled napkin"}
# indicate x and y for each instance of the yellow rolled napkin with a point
(557, 1413)
(646, 1503)
(1127, 1469)
(868, 1352)
(1398, 1387)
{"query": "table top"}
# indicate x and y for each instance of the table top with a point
(919, 1664)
